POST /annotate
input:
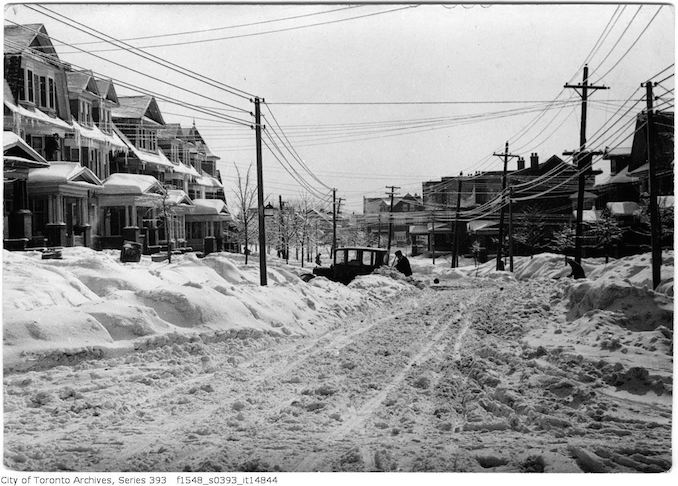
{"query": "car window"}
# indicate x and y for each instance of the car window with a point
(352, 257)
(341, 256)
(367, 257)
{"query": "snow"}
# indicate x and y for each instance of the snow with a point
(192, 365)
(120, 183)
(114, 303)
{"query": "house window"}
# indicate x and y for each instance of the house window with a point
(36, 143)
(29, 86)
(85, 115)
(43, 91)
(51, 93)
(36, 84)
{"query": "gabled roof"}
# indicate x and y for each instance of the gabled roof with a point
(79, 81)
(14, 145)
(64, 172)
(17, 151)
(19, 38)
(178, 197)
(169, 131)
(138, 107)
(107, 89)
(192, 134)
(553, 162)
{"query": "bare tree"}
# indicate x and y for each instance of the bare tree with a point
(245, 195)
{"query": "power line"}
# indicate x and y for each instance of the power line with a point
(244, 122)
(632, 45)
(150, 57)
(262, 33)
(621, 36)
(214, 29)
(135, 88)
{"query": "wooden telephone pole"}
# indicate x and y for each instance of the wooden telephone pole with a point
(390, 216)
(655, 222)
(510, 228)
(455, 241)
(260, 195)
(334, 225)
(582, 157)
(506, 156)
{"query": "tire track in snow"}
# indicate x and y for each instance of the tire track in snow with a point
(358, 417)
(334, 339)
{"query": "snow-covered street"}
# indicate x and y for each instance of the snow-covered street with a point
(475, 373)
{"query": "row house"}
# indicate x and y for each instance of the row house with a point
(624, 190)
(482, 187)
(377, 213)
(85, 165)
(60, 198)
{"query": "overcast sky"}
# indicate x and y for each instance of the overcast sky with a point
(398, 94)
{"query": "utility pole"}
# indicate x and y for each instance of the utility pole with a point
(390, 217)
(433, 237)
(455, 241)
(260, 194)
(334, 225)
(510, 228)
(506, 156)
(582, 158)
(655, 222)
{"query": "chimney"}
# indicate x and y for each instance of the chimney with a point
(521, 163)
(534, 160)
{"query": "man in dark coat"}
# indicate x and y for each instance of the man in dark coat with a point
(403, 264)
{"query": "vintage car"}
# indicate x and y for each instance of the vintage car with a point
(349, 262)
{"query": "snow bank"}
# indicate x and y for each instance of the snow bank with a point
(636, 269)
(642, 309)
(91, 301)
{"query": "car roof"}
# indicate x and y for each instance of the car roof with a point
(363, 248)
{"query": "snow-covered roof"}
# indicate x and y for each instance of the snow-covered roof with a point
(183, 169)
(623, 208)
(177, 196)
(19, 38)
(64, 172)
(589, 215)
(210, 207)
(622, 177)
(138, 107)
(11, 140)
(79, 81)
(208, 181)
(94, 133)
(107, 89)
(157, 158)
(135, 184)
(37, 115)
